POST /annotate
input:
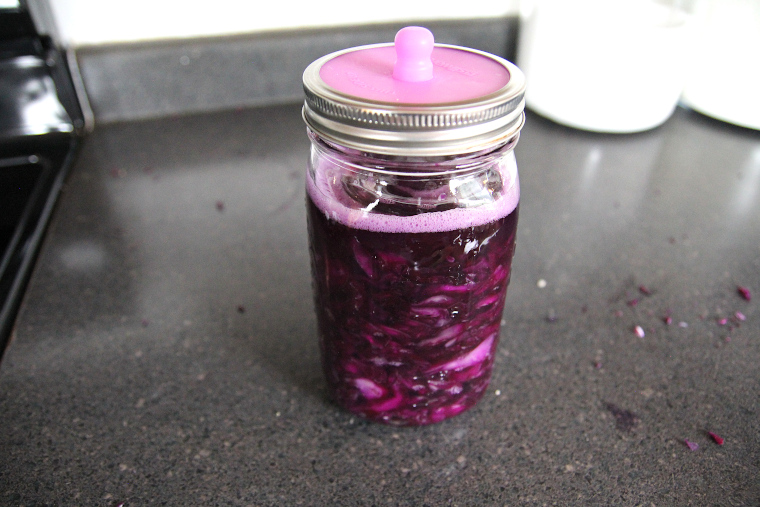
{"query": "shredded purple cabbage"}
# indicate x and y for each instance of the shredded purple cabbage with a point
(409, 322)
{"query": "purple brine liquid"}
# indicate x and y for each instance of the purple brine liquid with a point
(410, 277)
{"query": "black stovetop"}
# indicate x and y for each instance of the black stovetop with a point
(39, 124)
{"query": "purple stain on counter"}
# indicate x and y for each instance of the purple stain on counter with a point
(625, 420)
(744, 292)
(693, 446)
(117, 173)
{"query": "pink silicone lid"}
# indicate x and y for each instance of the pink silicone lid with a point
(414, 71)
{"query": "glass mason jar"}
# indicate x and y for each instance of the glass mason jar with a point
(412, 221)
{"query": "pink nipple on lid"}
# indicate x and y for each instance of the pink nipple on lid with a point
(414, 45)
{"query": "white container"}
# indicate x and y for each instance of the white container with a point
(603, 65)
(724, 76)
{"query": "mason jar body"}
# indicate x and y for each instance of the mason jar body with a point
(411, 258)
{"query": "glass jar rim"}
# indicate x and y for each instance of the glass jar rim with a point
(462, 163)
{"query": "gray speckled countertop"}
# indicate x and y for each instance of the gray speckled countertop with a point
(165, 353)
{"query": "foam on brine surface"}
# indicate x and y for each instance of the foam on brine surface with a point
(329, 197)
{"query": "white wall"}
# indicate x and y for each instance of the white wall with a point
(88, 22)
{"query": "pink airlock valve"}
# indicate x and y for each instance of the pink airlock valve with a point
(414, 46)
(414, 71)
